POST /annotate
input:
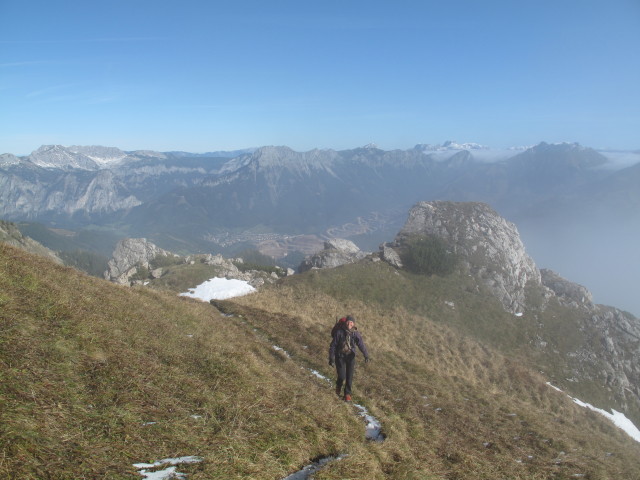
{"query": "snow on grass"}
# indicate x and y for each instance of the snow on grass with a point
(280, 349)
(619, 419)
(373, 428)
(319, 375)
(167, 473)
(219, 289)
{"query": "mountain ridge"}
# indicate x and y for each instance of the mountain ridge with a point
(188, 203)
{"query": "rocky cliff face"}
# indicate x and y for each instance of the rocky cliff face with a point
(56, 181)
(489, 246)
(619, 336)
(568, 293)
(129, 255)
(611, 358)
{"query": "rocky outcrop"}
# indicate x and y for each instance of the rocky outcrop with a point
(129, 255)
(612, 359)
(390, 255)
(606, 343)
(336, 252)
(488, 245)
(620, 338)
(567, 292)
(134, 254)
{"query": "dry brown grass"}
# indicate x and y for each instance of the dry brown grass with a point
(84, 365)
(450, 407)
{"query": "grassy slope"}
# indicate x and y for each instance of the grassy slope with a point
(451, 407)
(458, 301)
(84, 364)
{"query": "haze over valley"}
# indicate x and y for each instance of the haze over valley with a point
(576, 208)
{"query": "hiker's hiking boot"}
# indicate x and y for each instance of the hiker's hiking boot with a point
(347, 397)
(338, 390)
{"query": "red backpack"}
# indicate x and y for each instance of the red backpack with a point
(338, 325)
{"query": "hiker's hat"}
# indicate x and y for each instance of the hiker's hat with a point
(351, 319)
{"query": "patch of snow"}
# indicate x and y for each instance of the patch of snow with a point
(280, 349)
(167, 473)
(219, 289)
(320, 376)
(373, 428)
(618, 418)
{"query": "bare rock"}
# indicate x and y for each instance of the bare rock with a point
(390, 255)
(336, 252)
(489, 246)
(128, 255)
(567, 292)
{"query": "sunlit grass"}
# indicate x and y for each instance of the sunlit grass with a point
(96, 377)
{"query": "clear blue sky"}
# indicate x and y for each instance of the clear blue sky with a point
(221, 75)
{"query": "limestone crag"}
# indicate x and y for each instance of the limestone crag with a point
(617, 341)
(133, 254)
(615, 354)
(490, 248)
(336, 252)
(568, 293)
(128, 256)
(390, 255)
(488, 245)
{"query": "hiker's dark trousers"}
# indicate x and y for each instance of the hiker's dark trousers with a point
(345, 366)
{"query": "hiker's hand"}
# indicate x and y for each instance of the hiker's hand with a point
(366, 359)
(331, 363)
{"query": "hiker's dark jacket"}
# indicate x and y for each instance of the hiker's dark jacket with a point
(356, 339)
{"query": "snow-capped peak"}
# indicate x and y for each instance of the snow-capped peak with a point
(77, 157)
(371, 146)
(58, 156)
(100, 155)
(450, 145)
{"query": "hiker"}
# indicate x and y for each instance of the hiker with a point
(342, 353)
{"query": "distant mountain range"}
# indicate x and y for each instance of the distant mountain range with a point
(561, 196)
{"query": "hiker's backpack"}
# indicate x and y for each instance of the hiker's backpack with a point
(345, 346)
(338, 326)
